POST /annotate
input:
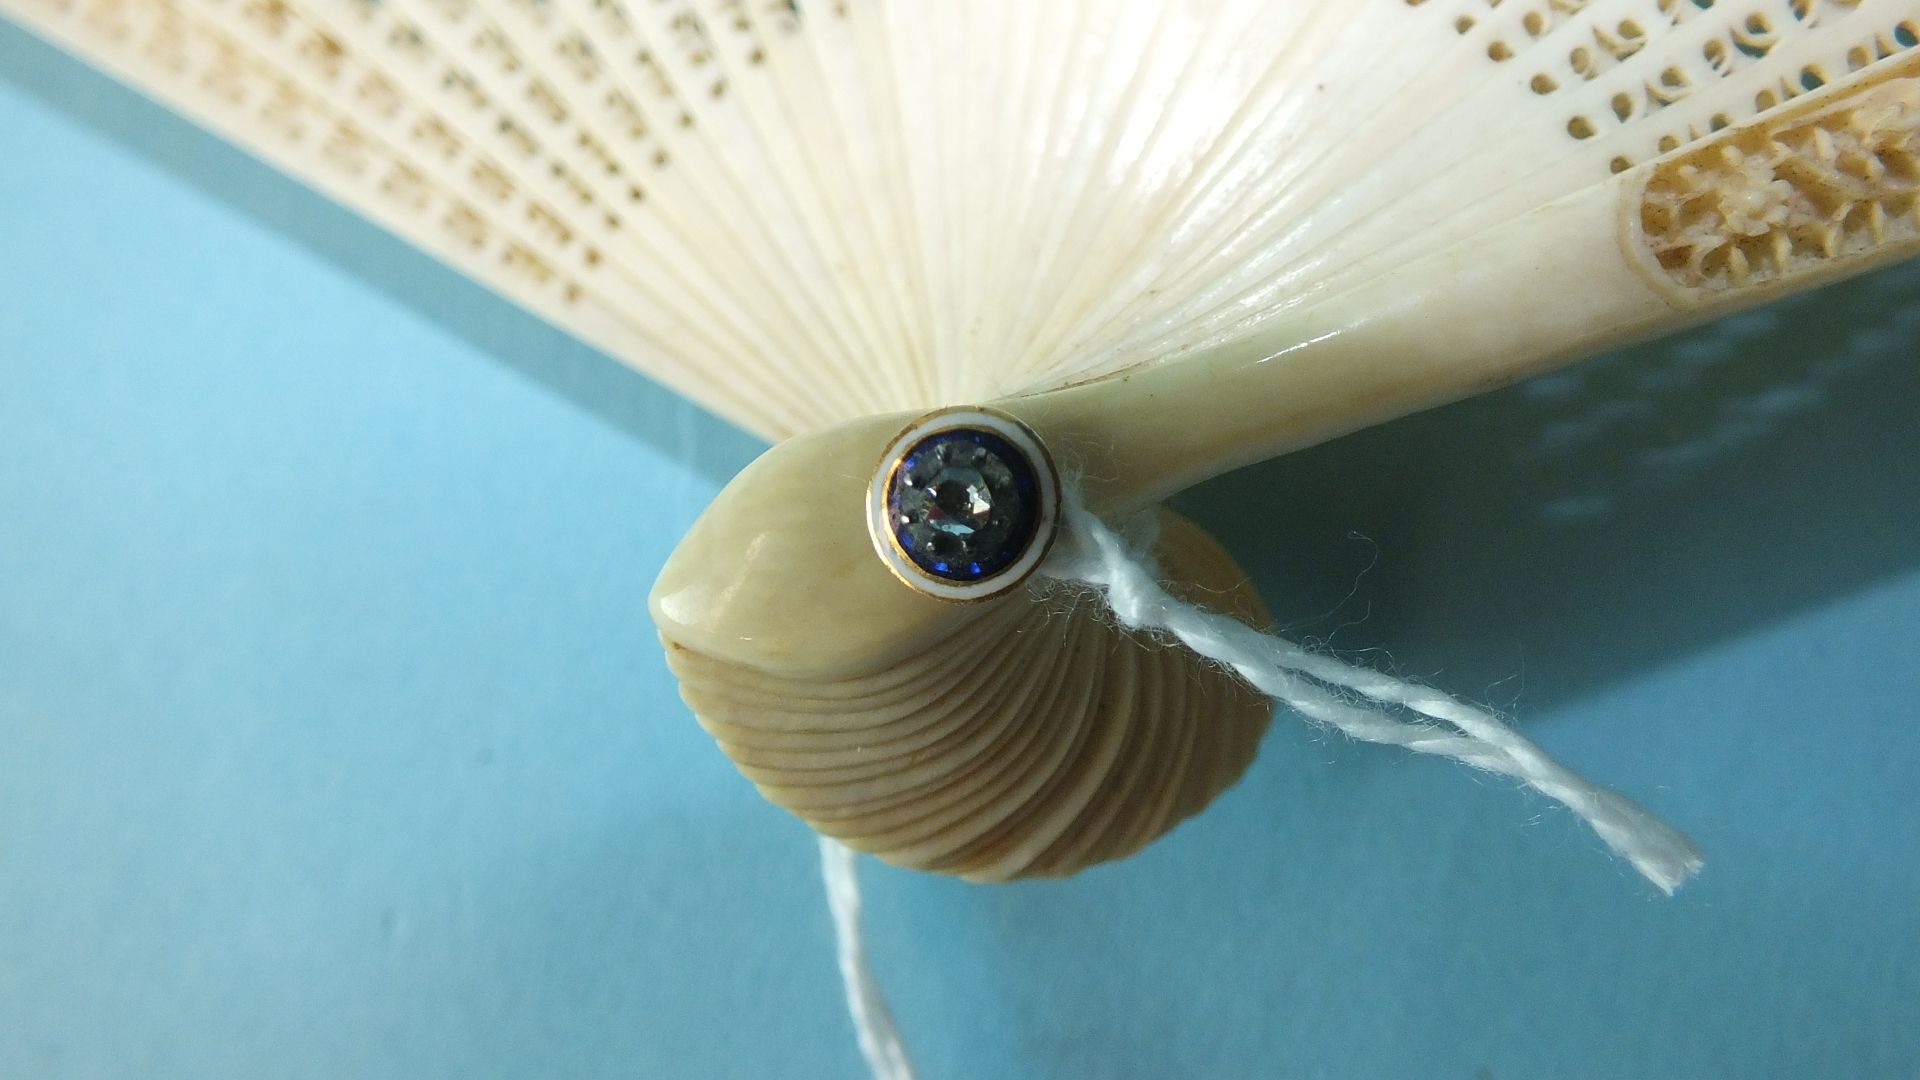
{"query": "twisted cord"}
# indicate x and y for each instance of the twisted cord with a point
(1091, 553)
(879, 1039)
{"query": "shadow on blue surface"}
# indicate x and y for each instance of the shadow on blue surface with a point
(340, 745)
(1536, 544)
(563, 364)
(1524, 548)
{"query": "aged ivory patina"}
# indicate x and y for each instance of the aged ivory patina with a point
(1166, 237)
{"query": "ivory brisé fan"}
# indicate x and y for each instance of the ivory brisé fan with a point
(1134, 243)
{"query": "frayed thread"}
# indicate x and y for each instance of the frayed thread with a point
(1356, 700)
(1326, 691)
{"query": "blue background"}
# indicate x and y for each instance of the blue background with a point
(335, 740)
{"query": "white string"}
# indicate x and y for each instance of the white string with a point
(879, 1039)
(1089, 552)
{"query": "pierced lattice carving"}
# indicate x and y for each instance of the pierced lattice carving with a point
(1773, 200)
(1620, 69)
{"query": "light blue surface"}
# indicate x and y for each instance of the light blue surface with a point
(335, 742)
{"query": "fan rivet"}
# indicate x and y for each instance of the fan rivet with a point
(964, 504)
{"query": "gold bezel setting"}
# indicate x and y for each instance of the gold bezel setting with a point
(1002, 429)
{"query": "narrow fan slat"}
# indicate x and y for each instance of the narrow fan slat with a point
(801, 213)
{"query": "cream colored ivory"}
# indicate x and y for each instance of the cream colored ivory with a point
(886, 718)
(1831, 184)
(1171, 236)
(801, 213)
(1023, 737)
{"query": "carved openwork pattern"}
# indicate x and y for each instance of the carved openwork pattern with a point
(1768, 201)
(1616, 69)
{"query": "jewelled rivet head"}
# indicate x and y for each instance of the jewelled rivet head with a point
(964, 505)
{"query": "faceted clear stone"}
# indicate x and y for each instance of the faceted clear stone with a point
(957, 503)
